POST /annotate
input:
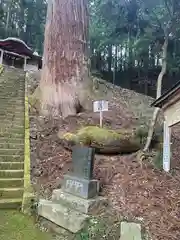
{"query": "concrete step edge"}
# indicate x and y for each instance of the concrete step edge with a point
(12, 171)
(9, 155)
(13, 144)
(11, 189)
(19, 98)
(11, 179)
(8, 139)
(12, 165)
(10, 200)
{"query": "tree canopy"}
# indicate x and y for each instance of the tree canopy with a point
(24, 19)
(124, 34)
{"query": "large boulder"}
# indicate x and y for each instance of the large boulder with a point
(104, 140)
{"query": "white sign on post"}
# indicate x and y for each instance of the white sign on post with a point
(166, 148)
(100, 106)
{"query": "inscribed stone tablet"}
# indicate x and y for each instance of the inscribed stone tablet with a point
(83, 162)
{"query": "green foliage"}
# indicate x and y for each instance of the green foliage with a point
(14, 225)
(102, 227)
(138, 28)
(135, 27)
(25, 20)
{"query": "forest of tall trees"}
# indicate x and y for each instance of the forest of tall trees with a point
(126, 37)
(24, 19)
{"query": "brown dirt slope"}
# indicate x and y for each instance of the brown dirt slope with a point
(136, 190)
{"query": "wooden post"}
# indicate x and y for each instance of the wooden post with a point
(101, 118)
(13, 62)
(1, 59)
(25, 63)
(166, 147)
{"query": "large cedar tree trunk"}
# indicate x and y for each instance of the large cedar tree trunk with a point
(65, 59)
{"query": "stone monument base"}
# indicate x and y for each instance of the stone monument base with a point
(86, 206)
(62, 216)
(69, 211)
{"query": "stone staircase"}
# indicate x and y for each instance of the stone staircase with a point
(12, 90)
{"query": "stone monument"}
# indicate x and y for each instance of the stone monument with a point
(79, 182)
(70, 205)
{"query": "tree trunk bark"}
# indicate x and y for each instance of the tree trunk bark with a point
(158, 93)
(65, 60)
(109, 59)
(115, 64)
(7, 20)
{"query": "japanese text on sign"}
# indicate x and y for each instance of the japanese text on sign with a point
(100, 106)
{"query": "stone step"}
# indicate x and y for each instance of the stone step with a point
(12, 75)
(9, 106)
(11, 130)
(11, 173)
(11, 165)
(6, 98)
(11, 135)
(4, 114)
(11, 78)
(62, 216)
(11, 100)
(11, 182)
(11, 119)
(7, 145)
(11, 124)
(11, 86)
(12, 140)
(12, 152)
(5, 91)
(11, 89)
(11, 95)
(12, 107)
(6, 193)
(6, 102)
(11, 158)
(10, 83)
(14, 97)
(10, 203)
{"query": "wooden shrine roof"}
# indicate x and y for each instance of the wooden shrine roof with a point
(166, 96)
(17, 46)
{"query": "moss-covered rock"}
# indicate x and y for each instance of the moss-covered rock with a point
(104, 140)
